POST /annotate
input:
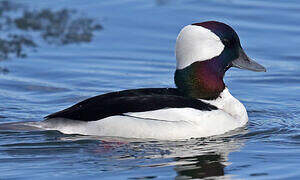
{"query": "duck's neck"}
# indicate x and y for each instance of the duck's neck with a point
(202, 79)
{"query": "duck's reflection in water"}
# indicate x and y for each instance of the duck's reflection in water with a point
(194, 158)
(209, 161)
(201, 166)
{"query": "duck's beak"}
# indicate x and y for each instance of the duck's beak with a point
(244, 62)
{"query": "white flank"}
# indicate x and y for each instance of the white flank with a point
(196, 43)
(164, 124)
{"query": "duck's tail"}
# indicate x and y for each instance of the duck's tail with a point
(20, 126)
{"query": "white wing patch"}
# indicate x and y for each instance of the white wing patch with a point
(168, 114)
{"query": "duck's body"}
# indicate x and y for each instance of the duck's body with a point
(179, 121)
(200, 106)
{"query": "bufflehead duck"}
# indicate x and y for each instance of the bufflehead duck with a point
(200, 106)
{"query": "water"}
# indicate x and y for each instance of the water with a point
(130, 44)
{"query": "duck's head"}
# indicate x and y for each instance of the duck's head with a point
(204, 52)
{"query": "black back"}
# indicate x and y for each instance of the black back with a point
(136, 100)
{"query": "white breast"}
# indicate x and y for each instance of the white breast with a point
(166, 124)
(230, 105)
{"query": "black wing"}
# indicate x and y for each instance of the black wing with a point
(136, 100)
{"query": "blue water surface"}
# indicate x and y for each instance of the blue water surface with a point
(131, 45)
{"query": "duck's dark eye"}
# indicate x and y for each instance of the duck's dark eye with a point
(226, 42)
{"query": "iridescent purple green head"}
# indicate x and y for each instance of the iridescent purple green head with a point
(204, 52)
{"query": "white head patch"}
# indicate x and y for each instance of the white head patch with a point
(196, 43)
